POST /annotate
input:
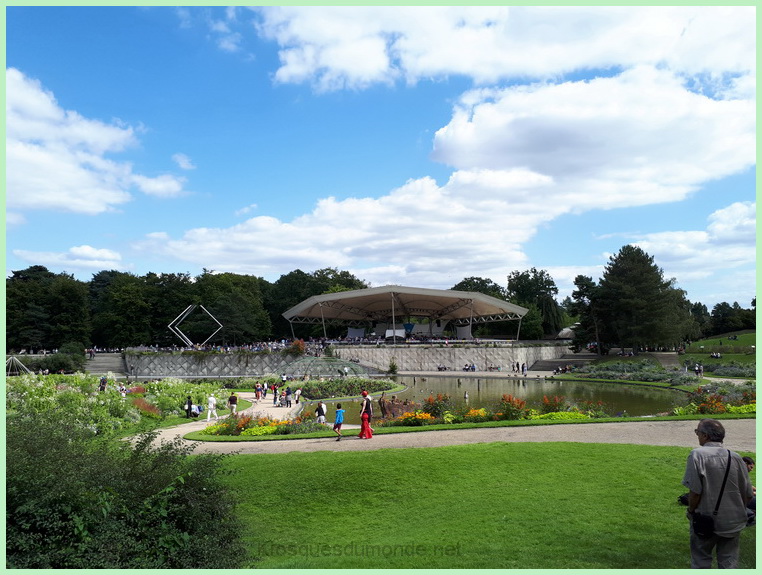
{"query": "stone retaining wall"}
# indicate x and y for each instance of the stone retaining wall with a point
(428, 358)
(407, 358)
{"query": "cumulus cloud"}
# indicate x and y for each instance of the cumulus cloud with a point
(327, 45)
(421, 232)
(58, 160)
(78, 257)
(728, 242)
(607, 142)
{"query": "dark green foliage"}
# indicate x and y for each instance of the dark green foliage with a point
(537, 287)
(55, 363)
(75, 500)
(637, 306)
(344, 387)
(727, 318)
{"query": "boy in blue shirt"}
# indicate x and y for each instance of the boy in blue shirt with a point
(339, 421)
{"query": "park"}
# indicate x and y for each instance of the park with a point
(507, 483)
(530, 449)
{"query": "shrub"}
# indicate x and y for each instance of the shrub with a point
(414, 418)
(749, 408)
(436, 406)
(512, 407)
(296, 348)
(477, 415)
(83, 501)
(553, 404)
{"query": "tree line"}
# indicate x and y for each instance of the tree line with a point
(631, 305)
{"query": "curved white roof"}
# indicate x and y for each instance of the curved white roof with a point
(357, 307)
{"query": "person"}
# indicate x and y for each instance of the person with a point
(211, 404)
(366, 412)
(233, 403)
(288, 396)
(297, 394)
(320, 412)
(704, 475)
(338, 421)
(188, 406)
(524, 369)
(274, 389)
(751, 507)
(382, 404)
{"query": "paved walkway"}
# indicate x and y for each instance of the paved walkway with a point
(740, 435)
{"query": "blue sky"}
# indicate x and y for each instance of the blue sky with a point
(412, 146)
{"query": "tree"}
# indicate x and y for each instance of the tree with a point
(537, 287)
(332, 280)
(480, 285)
(236, 302)
(638, 307)
(26, 308)
(490, 288)
(585, 302)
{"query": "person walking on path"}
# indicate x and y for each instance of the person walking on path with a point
(338, 421)
(288, 396)
(366, 412)
(211, 405)
(233, 403)
(297, 394)
(320, 412)
(709, 468)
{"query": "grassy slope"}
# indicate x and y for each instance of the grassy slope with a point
(499, 505)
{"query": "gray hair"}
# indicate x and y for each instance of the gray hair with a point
(713, 429)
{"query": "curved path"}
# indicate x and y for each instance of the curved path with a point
(740, 435)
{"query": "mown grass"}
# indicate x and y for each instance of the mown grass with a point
(745, 338)
(497, 505)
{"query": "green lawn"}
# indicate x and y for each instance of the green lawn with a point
(721, 343)
(498, 505)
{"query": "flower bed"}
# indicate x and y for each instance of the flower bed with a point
(719, 398)
(245, 425)
(509, 408)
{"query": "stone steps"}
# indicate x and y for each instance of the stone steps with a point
(102, 363)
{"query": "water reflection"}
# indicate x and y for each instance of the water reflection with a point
(479, 392)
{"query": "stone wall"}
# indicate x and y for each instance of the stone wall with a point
(407, 358)
(145, 365)
(453, 357)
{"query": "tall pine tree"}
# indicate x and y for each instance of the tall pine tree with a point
(638, 308)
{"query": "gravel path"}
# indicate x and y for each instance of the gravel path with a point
(740, 435)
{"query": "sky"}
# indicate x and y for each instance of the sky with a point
(415, 146)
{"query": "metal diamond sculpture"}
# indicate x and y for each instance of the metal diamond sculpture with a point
(174, 324)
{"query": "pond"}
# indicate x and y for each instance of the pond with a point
(486, 392)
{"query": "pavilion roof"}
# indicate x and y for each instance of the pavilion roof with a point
(381, 304)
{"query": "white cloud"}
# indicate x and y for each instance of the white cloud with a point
(245, 210)
(727, 243)
(164, 186)
(57, 159)
(634, 139)
(78, 257)
(183, 161)
(325, 45)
